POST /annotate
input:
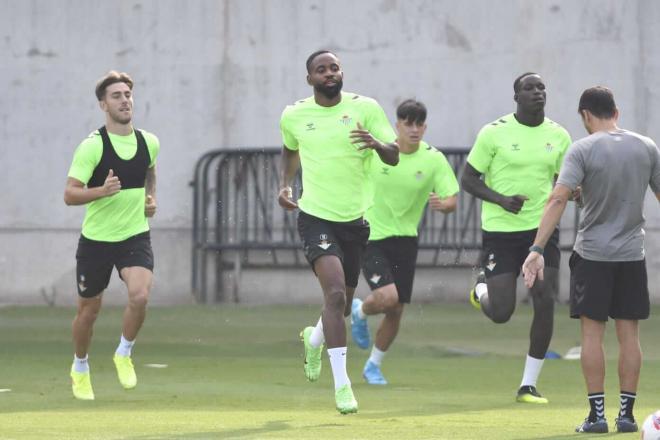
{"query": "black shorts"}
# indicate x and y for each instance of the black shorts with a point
(95, 260)
(618, 289)
(505, 252)
(345, 240)
(391, 260)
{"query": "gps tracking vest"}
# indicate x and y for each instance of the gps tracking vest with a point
(132, 172)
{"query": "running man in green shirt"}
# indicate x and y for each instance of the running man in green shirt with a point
(519, 156)
(332, 137)
(422, 176)
(113, 173)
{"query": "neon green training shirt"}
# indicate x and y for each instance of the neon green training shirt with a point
(401, 192)
(121, 215)
(518, 159)
(336, 184)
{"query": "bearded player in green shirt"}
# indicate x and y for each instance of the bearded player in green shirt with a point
(422, 176)
(519, 156)
(332, 136)
(113, 173)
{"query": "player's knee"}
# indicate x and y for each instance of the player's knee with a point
(501, 316)
(138, 297)
(393, 307)
(335, 299)
(87, 315)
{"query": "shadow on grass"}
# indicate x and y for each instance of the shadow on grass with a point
(268, 427)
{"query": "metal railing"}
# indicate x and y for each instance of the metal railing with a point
(237, 222)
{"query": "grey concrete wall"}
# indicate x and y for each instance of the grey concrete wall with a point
(213, 74)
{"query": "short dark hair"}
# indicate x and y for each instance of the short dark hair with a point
(599, 101)
(517, 81)
(310, 58)
(110, 78)
(411, 110)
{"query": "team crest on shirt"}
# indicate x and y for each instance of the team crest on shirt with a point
(310, 126)
(324, 244)
(549, 147)
(419, 175)
(346, 120)
(81, 283)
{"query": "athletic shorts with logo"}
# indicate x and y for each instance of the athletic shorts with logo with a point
(346, 240)
(505, 252)
(391, 260)
(95, 260)
(618, 289)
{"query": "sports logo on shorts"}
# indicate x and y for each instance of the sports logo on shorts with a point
(325, 244)
(375, 278)
(81, 283)
(491, 262)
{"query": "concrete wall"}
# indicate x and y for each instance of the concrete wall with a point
(213, 74)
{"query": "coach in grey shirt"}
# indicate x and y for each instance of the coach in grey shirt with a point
(613, 168)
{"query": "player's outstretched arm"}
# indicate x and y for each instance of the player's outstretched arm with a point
(472, 183)
(76, 193)
(290, 162)
(362, 138)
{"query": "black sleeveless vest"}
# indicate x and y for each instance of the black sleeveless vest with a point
(132, 172)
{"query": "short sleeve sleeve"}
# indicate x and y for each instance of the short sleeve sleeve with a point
(378, 125)
(288, 139)
(572, 171)
(482, 152)
(86, 158)
(564, 145)
(445, 183)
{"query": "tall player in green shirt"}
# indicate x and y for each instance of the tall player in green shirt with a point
(332, 136)
(519, 155)
(113, 173)
(422, 176)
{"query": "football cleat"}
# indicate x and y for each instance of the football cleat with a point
(312, 363)
(529, 394)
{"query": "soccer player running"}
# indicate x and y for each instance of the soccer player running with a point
(401, 194)
(613, 167)
(332, 136)
(519, 155)
(113, 173)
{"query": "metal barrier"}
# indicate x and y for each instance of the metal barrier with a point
(237, 222)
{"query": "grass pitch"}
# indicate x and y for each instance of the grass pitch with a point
(236, 373)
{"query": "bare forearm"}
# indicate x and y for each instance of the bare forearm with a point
(389, 153)
(82, 195)
(478, 188)
(551, 216)
(150, 182)
(290, 161)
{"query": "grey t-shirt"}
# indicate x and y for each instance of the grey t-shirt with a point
(614, 170)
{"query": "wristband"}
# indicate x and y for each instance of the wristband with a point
(535, 248)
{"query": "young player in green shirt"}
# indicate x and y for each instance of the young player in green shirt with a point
(332, 136)
(519, 155)
(113, 173)
(422, 176)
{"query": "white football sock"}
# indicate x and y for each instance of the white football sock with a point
(80, 365)
(317, 338)
(481, 289)
(338, 364)
(376, 356)
(360, 312)
(532, 370)
(124, 347)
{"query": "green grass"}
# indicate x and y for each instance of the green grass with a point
(236, 373)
